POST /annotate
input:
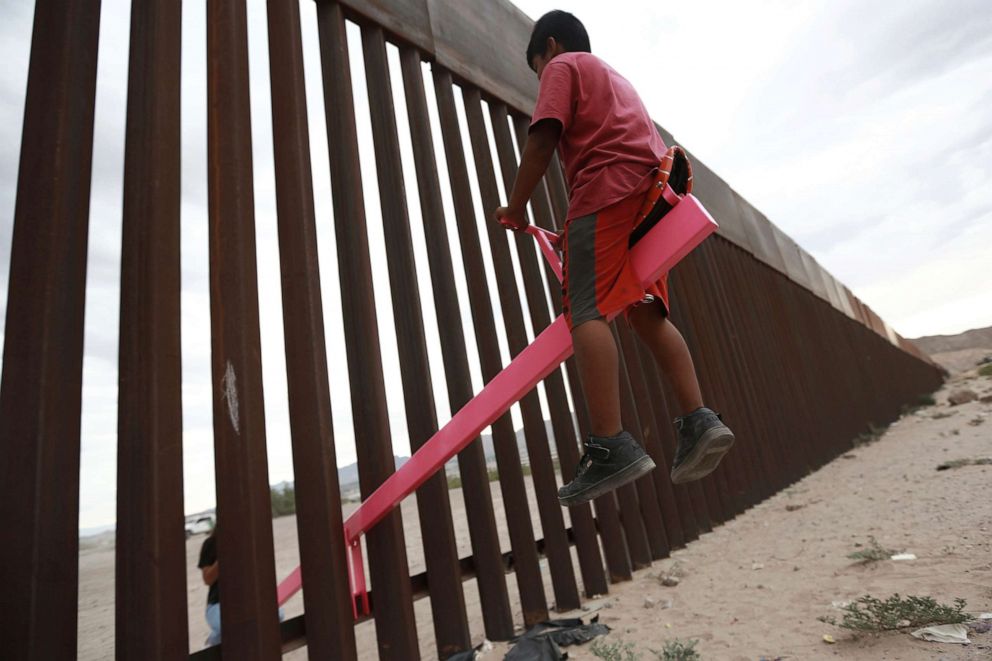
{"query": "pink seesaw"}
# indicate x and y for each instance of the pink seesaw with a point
(680, 230)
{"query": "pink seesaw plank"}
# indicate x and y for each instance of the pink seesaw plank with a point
(674, 237)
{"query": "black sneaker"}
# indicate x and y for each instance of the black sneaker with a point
(703, 440)
(607, 464)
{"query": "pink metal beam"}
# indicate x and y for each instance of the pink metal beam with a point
(677, 234)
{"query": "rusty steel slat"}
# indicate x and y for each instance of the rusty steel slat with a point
(701, 314)
(396, 627)
(150, 551)
(765, 358)
(490, 576)
(441, 555)
(583, 526)
(778, 350)
(40, 393)
(693, 510)
(566, 590)
(757, 349)
(616, 551)
(661, 446)
(557, 189)
(743, 479)
(707, 504)
(647, 497)
(649, 434)
(747, 308)
(796, 302)
(535, 432)
(511, 479)
(327, 599)
(244, 516)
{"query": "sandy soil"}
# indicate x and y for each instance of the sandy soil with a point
(754, 587)
(961, 360)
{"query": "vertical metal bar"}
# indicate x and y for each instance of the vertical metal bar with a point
(704, 503)
(244, 541)
(691, 506)
(511, 479)
(615, 546)
(486, 556)
(443, 572)
(715, 497)
(649, 434)
(583, 525)
(150, 580)
(535, 432)
(43, 345)
(736, 481)
(396, 628)
(327, 599)
(647, 498)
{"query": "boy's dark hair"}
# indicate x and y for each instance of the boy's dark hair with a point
(564, 27)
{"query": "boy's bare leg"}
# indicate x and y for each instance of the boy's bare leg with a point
(613, 457)
(596, 356)
(702, 437)
(670, 351)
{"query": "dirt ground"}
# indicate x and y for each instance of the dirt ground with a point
(754, 587)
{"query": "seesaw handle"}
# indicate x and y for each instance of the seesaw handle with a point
(544, 240)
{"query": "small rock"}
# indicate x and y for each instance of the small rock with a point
(987, 399)
(670, 581)
(757, 565)
(963, 396)
(649, 602)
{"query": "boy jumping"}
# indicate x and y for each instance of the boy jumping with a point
(611, 152)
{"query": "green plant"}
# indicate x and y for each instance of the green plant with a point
(614, 651)
(871, 614)
(873, 434)
(985, 370)
(676, 650)
(283, 500)
(872, 553)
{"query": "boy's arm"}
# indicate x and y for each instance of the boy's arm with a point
(210, 574)
(541, 143)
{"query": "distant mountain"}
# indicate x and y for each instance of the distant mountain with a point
(490, 452)
(348, 475)
(976, 338)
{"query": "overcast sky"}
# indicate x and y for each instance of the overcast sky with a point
(861, 129)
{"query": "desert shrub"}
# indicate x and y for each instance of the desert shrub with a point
(677, 650)
(873, 434)
(614, 650)
(871, 614)
(874, 552)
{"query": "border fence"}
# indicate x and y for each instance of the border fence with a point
(798, 364)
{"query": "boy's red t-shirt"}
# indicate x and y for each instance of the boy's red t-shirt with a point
(609, 145)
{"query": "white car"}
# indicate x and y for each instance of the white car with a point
(200, 523)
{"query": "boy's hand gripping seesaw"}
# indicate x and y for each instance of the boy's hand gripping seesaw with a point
(685, 226)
